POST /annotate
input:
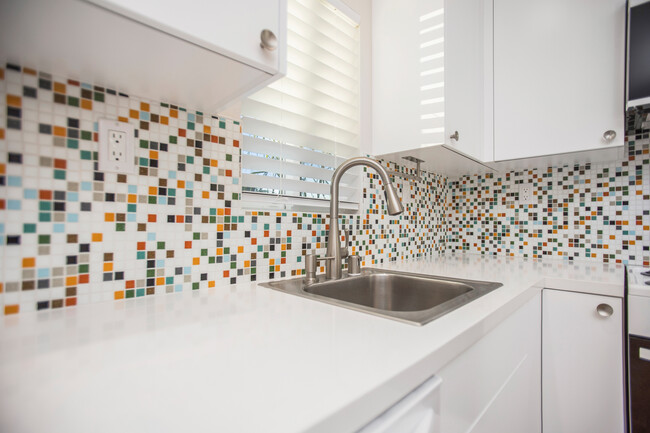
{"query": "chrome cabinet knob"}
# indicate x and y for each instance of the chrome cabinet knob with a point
(609, 135)
(455, 136)
(268, 40)
(604, 310)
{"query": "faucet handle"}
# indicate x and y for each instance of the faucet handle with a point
(311, 263)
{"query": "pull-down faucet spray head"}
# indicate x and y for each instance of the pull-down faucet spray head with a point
(393, 202)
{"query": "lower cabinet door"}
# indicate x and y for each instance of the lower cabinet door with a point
(494, 386)
(582, 363)
(418, 412)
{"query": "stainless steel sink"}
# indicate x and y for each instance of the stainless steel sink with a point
(411, 298)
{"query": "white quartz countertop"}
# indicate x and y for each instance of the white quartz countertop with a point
(246, 358)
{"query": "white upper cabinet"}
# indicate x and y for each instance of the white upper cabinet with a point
(427, 60)
(202, 54)
(231, 28)
(558, 76)
(398, 99)
(468, 84)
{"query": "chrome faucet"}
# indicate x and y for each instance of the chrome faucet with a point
(334, 254)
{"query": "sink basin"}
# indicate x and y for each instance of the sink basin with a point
(411, 298)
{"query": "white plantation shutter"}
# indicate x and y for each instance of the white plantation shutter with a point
(300, 128)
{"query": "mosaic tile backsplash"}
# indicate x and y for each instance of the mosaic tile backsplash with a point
(599, 211)
(70, 234)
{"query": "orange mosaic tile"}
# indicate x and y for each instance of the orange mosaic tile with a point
(59, 87)
(14, 101)
(12, 309)
(58, 131)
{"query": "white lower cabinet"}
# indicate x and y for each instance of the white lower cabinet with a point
(418, 412)
(582, 363)
(494, 386)
(554, 364)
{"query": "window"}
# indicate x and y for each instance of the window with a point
(300, 128)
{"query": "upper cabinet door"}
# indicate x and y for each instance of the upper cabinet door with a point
(558, 76)
(408, 104)
(428, 80)
(231, 28)
(468, 28)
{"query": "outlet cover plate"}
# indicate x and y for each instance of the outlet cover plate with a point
(525, 194)
(126, 165)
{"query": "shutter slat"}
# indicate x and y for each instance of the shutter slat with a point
(279, 133)
(297, 106)
(273, 166)
(299, 123)
(316, 96)
(298, 129)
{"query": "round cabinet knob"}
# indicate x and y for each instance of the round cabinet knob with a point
(609, 135)
(268, 40)
(604, 310)
(455, 136)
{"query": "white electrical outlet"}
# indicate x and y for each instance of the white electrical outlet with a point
(525, 194)
(116, 146)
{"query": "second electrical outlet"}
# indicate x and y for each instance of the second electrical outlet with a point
(525, 194)
(116, 146)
